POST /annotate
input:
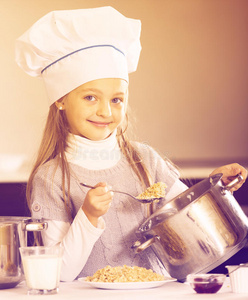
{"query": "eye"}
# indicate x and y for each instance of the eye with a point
(90, 98)
(117, 100)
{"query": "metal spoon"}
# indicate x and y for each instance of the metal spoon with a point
(146, 200)
(239, 266)
(212, 278)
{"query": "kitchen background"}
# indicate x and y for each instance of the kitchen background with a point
(189, 96)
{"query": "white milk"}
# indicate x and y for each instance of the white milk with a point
(42, 271)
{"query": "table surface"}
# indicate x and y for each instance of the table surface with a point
(79, 290)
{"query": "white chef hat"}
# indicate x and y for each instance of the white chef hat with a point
(68, 48)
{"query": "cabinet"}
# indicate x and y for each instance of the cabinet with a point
(13, 199)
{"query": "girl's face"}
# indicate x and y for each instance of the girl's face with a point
(95, 109)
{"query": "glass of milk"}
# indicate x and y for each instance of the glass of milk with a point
(42, 266)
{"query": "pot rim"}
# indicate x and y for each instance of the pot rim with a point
(12, 219)
(178, 203)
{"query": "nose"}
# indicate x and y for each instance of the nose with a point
(104, 109)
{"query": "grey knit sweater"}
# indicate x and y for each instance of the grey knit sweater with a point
(124, 216)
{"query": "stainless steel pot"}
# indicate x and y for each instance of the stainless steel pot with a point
(197, 230)
(16, 232)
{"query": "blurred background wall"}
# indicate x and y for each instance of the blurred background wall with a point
(189, 95)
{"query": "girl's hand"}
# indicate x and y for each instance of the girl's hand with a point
(229, 172)
(97, 202)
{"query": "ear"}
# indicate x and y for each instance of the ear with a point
(60, 105)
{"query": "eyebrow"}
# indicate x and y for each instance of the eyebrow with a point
(91, 90)
(100, 92)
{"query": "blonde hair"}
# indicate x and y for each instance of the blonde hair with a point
(53, 145)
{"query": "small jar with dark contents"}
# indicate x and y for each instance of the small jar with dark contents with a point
(206, 283)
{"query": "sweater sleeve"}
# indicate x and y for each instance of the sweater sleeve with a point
(77, 239)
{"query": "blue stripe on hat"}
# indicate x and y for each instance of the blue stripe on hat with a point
(95, 46)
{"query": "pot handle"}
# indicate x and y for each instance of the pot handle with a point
(37, 225)
(230, 185)
(138, 246)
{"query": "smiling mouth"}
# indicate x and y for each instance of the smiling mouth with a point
(100, 124)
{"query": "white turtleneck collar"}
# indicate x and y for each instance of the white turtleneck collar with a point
(93, 155)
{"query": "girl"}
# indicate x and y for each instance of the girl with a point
(84, 57)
